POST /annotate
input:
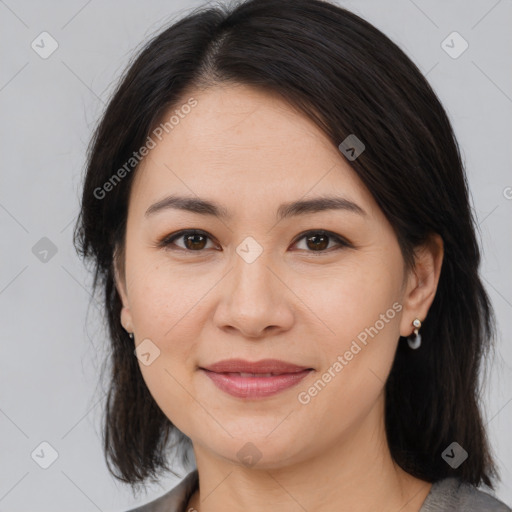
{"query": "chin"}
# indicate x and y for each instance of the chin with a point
(259, 451)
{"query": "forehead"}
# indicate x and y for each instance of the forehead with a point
(239, 142)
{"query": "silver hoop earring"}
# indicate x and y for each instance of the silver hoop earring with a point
(414, 341)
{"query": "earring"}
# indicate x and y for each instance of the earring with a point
(415, 341)
(130, 334)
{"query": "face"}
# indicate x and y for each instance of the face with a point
(319, 289)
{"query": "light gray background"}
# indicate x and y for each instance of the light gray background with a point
(51, 350)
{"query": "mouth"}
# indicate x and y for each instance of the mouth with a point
(252, 380)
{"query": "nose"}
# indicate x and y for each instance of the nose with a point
(255, 300)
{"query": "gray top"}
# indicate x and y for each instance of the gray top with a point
(449, 494)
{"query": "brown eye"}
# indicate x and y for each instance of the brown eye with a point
(192, 240)
(318, 241)
(196, 241)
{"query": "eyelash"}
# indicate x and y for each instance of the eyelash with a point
(168, 240)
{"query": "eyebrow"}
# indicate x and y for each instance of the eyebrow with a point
(286, 210)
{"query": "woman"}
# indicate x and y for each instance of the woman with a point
(278, 214)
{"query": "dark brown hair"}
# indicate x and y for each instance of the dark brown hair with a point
(349, 78)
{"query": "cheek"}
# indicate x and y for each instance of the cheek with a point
(356, 364)
(160, 315)
(361, 315)
(349, 299)
(162, 298)
(167, 308)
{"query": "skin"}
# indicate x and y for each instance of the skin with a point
(249, 151)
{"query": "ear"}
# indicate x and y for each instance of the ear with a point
(422, 283)
(120, 283)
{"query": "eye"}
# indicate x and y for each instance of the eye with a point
(318, 241)
(196, 241)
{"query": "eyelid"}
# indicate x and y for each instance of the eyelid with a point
(167, 241)
(338, 238)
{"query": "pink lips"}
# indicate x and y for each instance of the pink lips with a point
(259, 379)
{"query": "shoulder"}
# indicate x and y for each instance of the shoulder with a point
(174, 500)
(452, 494)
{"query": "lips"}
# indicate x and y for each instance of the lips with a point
(265, 367)
(255, 380)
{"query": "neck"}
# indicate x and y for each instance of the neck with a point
(357, 473)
